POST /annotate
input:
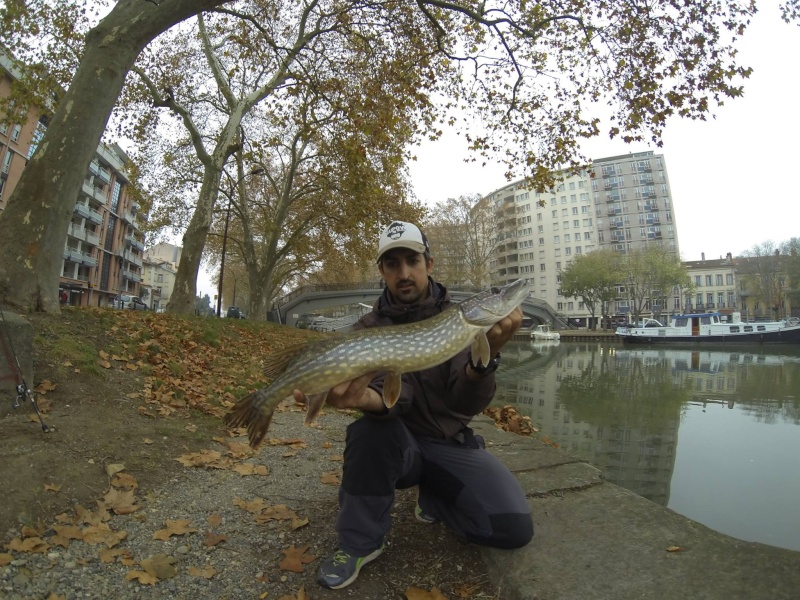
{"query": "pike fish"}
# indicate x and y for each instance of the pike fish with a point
(315, 367)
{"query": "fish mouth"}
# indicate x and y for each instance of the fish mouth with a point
(497, 303)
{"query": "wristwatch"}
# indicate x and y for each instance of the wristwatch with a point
(485, 369)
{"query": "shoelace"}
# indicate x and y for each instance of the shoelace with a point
(341, 557)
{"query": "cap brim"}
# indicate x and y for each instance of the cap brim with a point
(415, 246)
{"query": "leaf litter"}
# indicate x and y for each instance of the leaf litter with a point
(181, 370)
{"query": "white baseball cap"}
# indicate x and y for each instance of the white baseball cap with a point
(402, 235)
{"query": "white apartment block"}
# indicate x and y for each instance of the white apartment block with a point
(159, 281)
(620, 202)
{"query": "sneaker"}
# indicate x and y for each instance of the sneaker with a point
(341, 569)
(424, 517)
(421, 515)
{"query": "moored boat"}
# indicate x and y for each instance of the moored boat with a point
(543, 332)
(711, 328)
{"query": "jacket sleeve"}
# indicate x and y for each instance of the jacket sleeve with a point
(403, 404)
(467, 396)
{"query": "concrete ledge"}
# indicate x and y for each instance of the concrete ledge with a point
(16, 336)
(595, 540)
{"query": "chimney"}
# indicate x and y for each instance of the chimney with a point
(703, 256)
(729, 256)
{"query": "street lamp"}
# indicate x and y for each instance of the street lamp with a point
(255, 171)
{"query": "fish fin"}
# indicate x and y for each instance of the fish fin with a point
(276, 363)
(392, 385)
(250, 413)
(315, 402)
(480, 350)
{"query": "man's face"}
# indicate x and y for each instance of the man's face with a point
(406, 274)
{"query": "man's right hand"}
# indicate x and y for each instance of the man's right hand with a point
(355, 393)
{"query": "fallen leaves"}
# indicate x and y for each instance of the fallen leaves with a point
(330, 478)
(264, 514)
(415, 593)
(295, 558)
(508, 419)
(174, 527)
(120, 501)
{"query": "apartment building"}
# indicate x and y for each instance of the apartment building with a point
(633, 202)
(714, 285)
(619, 202)
(103, 250)
(164, 252)
(537, 234)
(158, 281)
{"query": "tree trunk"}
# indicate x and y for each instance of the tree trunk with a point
(194, 241)
(33, 227)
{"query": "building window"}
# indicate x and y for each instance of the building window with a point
(7, 160)
(709, 281)
(719, 280)
(698, 280)
(15, 133)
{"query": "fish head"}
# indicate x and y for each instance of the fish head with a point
(490, 306)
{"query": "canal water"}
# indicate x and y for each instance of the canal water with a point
(713, 434)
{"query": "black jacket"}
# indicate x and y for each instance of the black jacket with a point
(438, 402)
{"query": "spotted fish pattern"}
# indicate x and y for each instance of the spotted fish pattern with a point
(317, 366)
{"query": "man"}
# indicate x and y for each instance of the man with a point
(424, 439)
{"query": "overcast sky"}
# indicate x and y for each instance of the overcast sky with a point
(731, 178)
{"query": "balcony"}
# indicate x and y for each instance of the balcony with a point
(76, 231)
(82, 210)
(94, 167)
(95, 217)
(614, 211)
(100, 195)
(103, 175)
(82, 258)
(130, 275)
(87, 188)
(653, 220)
(651, 206)
(92, 238)
(616, 224)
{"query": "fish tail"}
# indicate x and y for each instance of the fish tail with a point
(254, 415)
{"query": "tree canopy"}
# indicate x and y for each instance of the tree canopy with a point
(531, 75)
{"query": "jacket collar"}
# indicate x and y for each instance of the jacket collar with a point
(438, 298)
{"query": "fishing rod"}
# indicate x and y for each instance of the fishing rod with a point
(23, 391)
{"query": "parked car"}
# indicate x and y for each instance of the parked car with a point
(234, 312)
(129, 302)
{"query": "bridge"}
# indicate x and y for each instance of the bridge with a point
(313, 298)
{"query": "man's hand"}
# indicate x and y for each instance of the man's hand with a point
(503, 330)
(351, 394)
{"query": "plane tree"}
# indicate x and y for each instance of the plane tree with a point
(329, 120)
(462, 239)
(593, 278)
(650, 275)
(321, 198)
(529, 74)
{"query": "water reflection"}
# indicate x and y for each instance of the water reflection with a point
(737, 413)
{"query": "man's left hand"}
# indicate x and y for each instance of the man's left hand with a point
(503, 330)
